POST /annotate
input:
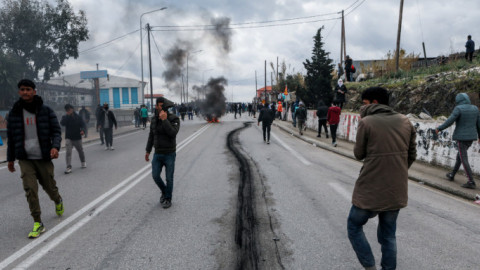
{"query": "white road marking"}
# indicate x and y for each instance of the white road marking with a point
(89, 207)
(289, 149)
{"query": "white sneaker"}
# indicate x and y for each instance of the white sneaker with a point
(84, 165)
(68, 170)
(107, 148)
(111, 148)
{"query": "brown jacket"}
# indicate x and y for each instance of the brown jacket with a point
(386, 142)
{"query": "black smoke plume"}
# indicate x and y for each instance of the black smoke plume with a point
(175, 61)
(214, 104)
(222, 32)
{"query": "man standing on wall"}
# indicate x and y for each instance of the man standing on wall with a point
(386, 142)
(470, 48)
(34, 137)
(163, 133)
(467, 129)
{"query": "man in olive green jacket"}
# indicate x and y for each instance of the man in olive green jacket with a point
(386, 142)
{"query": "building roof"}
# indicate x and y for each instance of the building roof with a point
(74, 80)
(154, 95)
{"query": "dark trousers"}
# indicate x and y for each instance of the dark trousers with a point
(462, 158)
(167, 160)
(43, 170)
(266, 131)
(386, 230)
(348, 76)
(469, 56)
(108, 136)
(322, 123)
(144, 122)
(333, 132)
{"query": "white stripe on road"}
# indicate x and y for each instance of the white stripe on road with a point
(53, 243)
(289, 149)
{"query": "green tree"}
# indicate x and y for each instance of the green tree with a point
(41, 36)
(10, 71)
(318, 80)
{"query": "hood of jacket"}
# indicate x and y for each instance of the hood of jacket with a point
(462, 99)
(375, 109)
(31, 107)
(167, 103)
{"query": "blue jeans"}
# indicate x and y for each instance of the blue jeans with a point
(167, 160)
(294, 120)
(386, 229)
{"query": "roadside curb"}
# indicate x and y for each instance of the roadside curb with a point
(414, 178)
(91, 140)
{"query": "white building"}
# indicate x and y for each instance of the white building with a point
(118, 92)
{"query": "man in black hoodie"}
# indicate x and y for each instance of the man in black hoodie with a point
(74, 129)
(34, 138)
(164, 127)
(106, 121)
(266, 116)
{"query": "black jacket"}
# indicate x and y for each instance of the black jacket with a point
(73, 125)
(339, 97)
(322, 112)
(348, 65)
(266, 116)
(111, 117)
(48, 129)
(163, 134)
(301, 113)
(84, 114)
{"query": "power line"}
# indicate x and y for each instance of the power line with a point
(108, 42)
(355, 8)
(158, 50)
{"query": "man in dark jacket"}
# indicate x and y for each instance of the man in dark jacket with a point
(163, 133)
(266, 116)
(467, 129)
(301, 114)
(322, 111)
(98, 112)
(85, 115)
(34, 138)
(386, 142)
(106, 122)
(340, 91)
(470, 48)
(348, 69)
(74, 129)
(182, 111)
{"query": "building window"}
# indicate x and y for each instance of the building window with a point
(134, 92)
(125, 99)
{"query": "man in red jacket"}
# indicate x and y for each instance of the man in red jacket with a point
(333, 118)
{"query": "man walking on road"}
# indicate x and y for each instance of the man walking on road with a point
(333, 119)
(144, 115)
(106, 122)
(98, 113)
(85, 115)
(301, 114)
(74, 129)
(386, 142)
(34, 137)
(322, 111)
(467, 129)
(266, 116)
(163, 133)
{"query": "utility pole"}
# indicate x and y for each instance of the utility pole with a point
(343, 46)
(277, 69)
(265, 82)
(150, 64)
(256, 85)
(425, 54)
(182, 94)
(187, 77)
(397, 52)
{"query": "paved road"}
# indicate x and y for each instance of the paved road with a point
(299, 196)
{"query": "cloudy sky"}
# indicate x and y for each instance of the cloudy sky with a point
(371, 30)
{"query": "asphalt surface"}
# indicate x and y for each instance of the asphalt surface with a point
(300, 199)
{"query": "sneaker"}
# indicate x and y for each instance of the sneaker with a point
(111, 148)
(167, 203)
(450, 176)
(106, 148)
(84, 165)
(68, 170)
(319, 136)
(470, 185)
(335, 145)
(38, 228)
(268, 142)
(162, 199)
(102, 143)
(59, 208)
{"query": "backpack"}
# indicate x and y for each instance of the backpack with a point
(353, 69)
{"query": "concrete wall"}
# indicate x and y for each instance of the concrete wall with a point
(440, 151)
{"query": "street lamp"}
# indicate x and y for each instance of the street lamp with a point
(188, 54)
(141, 47)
